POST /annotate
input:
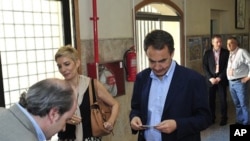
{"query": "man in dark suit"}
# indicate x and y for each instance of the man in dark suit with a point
(169, 102)
(215, 65)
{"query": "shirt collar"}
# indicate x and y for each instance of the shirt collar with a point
(169, 72)
(234, 51)
(217, 51)
(39, 132)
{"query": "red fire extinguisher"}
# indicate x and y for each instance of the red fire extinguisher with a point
(130, 64)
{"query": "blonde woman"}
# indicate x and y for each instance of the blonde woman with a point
(68, 62)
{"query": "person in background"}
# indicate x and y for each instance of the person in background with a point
(68, 62)
(215, 68)
(238, 73)
(169, 101)
(41, 112)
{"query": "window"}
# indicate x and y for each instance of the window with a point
(151, 17)
(31, 31)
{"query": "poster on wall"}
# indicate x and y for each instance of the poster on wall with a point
(224, 40)
(239, 38)
(195, 48)
(240, 13)
(206, 44)
(245, 42)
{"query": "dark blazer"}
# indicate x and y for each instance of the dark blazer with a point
(186, 102)
(209, 65)
(15, 126)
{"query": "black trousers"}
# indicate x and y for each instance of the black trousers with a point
(219, 91)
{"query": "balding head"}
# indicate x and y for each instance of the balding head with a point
(47, 94)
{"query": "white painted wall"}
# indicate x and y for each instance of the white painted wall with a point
(115, 17)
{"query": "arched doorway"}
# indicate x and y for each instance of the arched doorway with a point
(158, 14)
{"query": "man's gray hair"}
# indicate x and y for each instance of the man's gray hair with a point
(47, 94)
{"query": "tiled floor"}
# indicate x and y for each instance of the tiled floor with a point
(216, 132)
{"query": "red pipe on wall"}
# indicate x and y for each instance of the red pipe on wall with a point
(95, 18)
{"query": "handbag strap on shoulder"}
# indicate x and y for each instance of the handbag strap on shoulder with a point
(92, 96)
(93, 90)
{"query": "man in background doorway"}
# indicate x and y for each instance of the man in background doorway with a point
(215, 66)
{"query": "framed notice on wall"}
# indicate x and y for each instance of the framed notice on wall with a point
(240, 13)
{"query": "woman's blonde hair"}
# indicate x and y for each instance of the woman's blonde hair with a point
(67, 51)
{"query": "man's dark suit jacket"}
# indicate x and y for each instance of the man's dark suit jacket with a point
(209, 65)
(186, 103)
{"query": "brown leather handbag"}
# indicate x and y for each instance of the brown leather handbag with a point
(100, 112)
